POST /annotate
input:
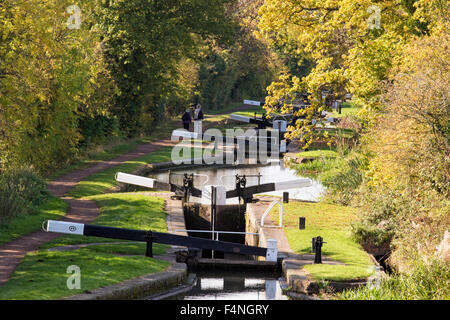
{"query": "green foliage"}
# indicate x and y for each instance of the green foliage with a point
(347, 54)
(71, 89)
(142, 50)
(49, 277)
(98, 129)
(48, 75)
(332, 222)
(50, 209)
(344, 179)
(425, 282)
(239, 71)
(21, 190)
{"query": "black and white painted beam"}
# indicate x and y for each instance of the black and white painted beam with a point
(281, 147)
(252, 120)
(183, 133)
(135, 180)
(153, 183)
(269, 187)
(253, 103)
(159, 237)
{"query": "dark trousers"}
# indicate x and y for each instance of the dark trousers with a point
(186, 125)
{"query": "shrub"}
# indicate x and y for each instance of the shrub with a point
(424, 282)
(20, 191)
(344, 179)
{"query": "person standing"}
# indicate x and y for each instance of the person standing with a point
(198, 117)
(198, 113)
(186, 119)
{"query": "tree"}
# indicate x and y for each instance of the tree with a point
(45, 73)
(352, 43)
(410, 147)
(145, 40)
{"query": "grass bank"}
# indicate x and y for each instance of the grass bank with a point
(43, 274)
(52, 208)
(99, 182)
(423, 282)
(332, 223)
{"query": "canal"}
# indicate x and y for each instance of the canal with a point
(231, 285)
(220, 284)
(225, 176)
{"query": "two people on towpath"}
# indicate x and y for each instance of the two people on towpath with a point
(186, 118)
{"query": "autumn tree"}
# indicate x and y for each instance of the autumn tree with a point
(145, 40)
(353, 45)
(46, 73)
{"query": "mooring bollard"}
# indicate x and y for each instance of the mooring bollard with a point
(272, 250)
(285, 197)
(317, 248)
(302, 223)
(149, 248)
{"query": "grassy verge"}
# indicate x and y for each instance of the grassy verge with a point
(331, 222)
(115, 149)
(424, 282)
(122, 210)
(51, 208)
(229, 108)
(98, 182)
(348, 109)
(99, 154)
(321, 153)
(43, 274)
(250, 112)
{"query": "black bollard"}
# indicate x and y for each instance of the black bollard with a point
(149, 248)
(286, 197)
(318, 242)
(301, 223)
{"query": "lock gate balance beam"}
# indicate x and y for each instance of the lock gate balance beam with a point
(144, 236)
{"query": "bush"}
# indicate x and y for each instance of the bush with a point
(20, 191)
(343, 180)
(424, 282)
(97, 129)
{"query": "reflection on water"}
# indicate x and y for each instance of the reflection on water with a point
(274, 172)
(238, 286)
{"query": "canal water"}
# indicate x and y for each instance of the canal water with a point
(225, 176)
(227, 285)
(237, 285)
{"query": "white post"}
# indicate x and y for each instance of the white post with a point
(280, 125)
(271, 289)
(221, 195)
(198, 127)
(272, 250)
